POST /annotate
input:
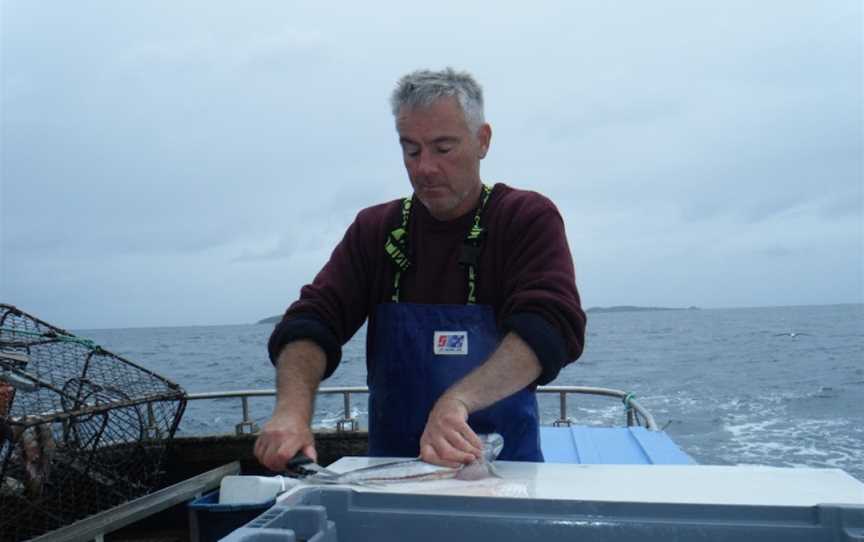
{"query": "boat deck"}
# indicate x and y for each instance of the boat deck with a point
(610, 446)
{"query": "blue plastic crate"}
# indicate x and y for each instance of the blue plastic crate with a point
(210, 521)
(343, 515)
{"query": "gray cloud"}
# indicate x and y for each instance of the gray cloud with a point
(170, 163)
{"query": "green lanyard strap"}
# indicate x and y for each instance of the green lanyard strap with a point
(470, 255)
(397, 248)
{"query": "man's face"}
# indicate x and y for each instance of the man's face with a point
(442, 156)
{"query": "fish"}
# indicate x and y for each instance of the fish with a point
(36, 449)
(416, 470)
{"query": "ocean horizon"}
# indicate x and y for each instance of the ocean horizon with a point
(80, 330)
(777, 386)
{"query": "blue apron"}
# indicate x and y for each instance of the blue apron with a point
(418, 351)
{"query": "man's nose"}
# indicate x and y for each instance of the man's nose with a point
(426, 163)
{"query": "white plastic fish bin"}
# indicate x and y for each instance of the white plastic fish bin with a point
(345, 515)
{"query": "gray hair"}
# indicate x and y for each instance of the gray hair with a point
(422, 88)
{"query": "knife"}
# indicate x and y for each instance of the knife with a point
(302, 466)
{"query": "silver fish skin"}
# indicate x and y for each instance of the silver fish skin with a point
(415, 470)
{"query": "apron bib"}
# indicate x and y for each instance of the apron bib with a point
(418, 351)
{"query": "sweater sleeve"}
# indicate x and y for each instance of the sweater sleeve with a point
(544, 339)
(305, 326)
(334, 306)
(542, 303)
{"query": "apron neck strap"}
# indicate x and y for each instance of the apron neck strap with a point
(397, 248)
(470, 255)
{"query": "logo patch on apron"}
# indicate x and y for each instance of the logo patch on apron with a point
(450, 343)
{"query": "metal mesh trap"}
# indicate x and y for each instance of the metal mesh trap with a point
(81, 429)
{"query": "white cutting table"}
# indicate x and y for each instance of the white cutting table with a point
(680, 484)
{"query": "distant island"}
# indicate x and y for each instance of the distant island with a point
(616, 308)
(631, 308)
(270, 320)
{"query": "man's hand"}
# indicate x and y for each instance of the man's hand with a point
(298, 373)
(447, 439)
(281, 439)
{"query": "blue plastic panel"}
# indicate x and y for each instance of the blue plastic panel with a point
(610, 446)
(343, 515)
(212, 520)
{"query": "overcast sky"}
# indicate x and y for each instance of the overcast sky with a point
(174, 163)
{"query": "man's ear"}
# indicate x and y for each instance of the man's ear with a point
(484, 136)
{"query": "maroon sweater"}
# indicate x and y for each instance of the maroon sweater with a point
(525, 273)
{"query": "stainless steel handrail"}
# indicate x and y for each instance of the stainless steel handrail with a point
(634, 411)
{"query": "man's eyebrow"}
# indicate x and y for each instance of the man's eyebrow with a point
(436, 141)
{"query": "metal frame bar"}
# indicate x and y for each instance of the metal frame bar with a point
(97, 525)
(633, 409)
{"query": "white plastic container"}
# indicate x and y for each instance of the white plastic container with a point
(252, 489)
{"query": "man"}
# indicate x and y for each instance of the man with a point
(469, 291)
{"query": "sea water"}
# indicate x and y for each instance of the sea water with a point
(781, 386)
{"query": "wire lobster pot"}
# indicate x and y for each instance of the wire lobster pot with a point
(81, 429)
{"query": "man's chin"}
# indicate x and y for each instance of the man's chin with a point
(440, 208)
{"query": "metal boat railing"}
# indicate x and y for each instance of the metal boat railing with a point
(635, 413)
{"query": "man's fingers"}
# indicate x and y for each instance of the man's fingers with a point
(451, 450)
(470, 442)
(449, 436)
(430, 455)
(310, 452)
(269, 454)
(287, 450)
(461, 442)
(462, 438)
(262, 449)
(259, 448)
(472, 438)
(465, 455)
(280, 441)
(284, 454)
